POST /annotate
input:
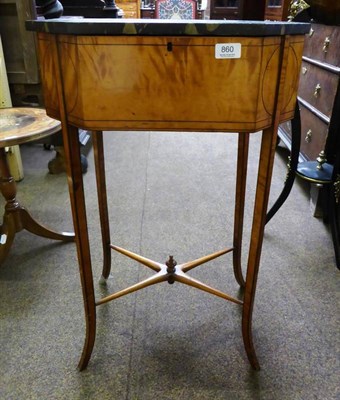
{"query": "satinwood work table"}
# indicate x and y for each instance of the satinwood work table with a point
(227, 76)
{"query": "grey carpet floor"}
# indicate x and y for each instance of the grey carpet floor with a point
(169, 193)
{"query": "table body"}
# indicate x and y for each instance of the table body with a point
(170, 83)
(238, 76)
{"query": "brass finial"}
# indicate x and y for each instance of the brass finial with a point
(321, 160)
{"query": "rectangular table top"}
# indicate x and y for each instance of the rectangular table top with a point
(152, 27)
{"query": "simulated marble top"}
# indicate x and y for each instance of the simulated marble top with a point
(151, 27)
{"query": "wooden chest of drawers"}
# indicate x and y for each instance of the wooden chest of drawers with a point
(318, 89)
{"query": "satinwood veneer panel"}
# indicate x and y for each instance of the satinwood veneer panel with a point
(169, 83)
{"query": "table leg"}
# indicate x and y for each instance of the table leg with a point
(7, 232)
(260, 209)
(241, 181)
(77, 197)
(16, 217)
(98, 149)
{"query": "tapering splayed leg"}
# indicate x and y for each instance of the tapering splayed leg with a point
(264, 177)
(74, 171)
(31, 225)
(260, 209)
(98, 149)
(241, 181)
(76, 189)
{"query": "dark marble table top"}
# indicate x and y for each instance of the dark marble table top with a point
(157, 27)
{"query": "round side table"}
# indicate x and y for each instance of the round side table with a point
(17, 126)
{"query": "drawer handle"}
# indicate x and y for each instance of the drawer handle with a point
(304, 70)
(317, 90)
(311, 32)
(326, 44)
(308, 137)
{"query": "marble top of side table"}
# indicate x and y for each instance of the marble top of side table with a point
(151, 27)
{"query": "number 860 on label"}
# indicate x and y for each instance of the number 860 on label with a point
(228, 50)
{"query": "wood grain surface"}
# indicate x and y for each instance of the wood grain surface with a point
(169, 83)
(20, 125)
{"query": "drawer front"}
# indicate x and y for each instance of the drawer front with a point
(147, 13)
(195, 80)
(318, 87)
(313, 134)
(225, 13)
(323, 44)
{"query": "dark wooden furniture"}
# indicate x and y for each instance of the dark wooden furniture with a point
(249, 9)
(277, 10)
(314, 138)
(17, 126)
(89, 8)
(319, 85)
(246, 80)
(325, 11)
(147, 9)
(226, 9)
(21, 64)
(98, 9)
